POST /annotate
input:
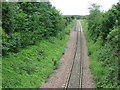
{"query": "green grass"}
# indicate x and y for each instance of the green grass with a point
(96, 66)
(34, 64)
(31, 65)
(103, 62)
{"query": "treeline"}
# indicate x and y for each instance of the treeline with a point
(103, 29)
(26, 23)
(75, 16)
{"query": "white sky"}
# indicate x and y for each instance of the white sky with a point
(80, 7)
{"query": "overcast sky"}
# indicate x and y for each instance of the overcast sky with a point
(80, 7)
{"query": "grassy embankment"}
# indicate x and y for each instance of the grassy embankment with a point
(102, 61)
(33, 65)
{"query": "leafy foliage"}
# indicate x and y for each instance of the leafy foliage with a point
(102, 32)
(30, 30)
(34, 64)
(27, 23)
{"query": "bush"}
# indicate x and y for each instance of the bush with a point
(27, 23)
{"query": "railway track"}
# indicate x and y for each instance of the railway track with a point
(75, 76)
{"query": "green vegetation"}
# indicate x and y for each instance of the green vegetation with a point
(101, 31)
(34, 35)
(27, 23)
(75, 16)
(32, 65)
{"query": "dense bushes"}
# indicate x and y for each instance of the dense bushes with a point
(100, 23)
(26, 23)
(102, 35)
(34, 64)
(38, 33)
(41, 30)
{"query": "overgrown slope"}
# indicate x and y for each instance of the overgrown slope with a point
(34, 35)
(102, 32)
(32, 65)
